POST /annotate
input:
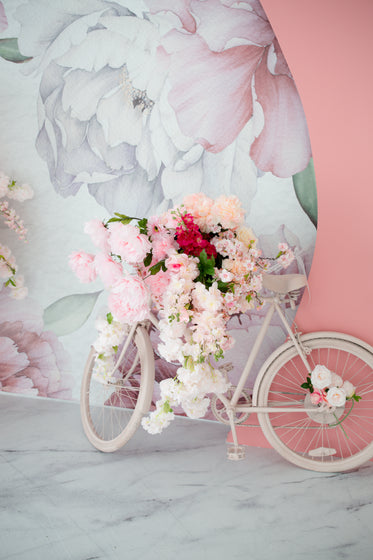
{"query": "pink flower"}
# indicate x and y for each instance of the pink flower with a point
(163, 246)
(287, 257)
(182, 263)
(32, 361)
(83, 265)
(200, 206)
(317, 397)
(108, 270)
(154, 225)
(227, 211)
(99, 234)
(127, 242)
(158, 283)
(129, 300)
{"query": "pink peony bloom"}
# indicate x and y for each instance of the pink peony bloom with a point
(83, 265)
(129, 300)
(99, 234)
(128, 243)
(200, 206)
(108, 270)
(317, 397)
(158, 283)
(163, 246)
(32, 361)
(227, 211)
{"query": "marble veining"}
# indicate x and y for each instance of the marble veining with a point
(164, 497)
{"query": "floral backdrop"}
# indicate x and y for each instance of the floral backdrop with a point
(128, 106)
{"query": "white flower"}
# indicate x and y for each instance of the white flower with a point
(170, 391)
(196, 408)
(158, 419)
(103, 367)
(224, 275)
(110, 336)
(349, 389)
(171, 351)
(321, 377)
(336, 396)
(336, 380)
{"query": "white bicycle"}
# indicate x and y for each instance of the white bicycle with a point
(331, 439)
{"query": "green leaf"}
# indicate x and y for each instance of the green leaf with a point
(166, 407)
(206, 265)
(109, 318)
(143, 225)
(157, 267)
(304, 385)
(9, 51)
(305, 189)
(69, 313)
(148, 259)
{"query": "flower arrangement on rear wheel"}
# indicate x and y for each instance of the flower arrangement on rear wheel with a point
(196, 265)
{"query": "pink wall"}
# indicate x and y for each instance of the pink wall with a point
(328, 45)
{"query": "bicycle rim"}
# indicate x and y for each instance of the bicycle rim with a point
(111, 413)
(334, 442)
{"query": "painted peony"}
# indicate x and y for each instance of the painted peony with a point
(32, 361)
(145, 101)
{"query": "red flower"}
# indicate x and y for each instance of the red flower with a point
(191, 240)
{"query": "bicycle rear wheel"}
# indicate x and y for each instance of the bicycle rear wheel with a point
(327, 441)
(111, 412)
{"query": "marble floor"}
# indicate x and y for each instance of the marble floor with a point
(164, 497)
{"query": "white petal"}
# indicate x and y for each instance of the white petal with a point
(83, 90)
(177, 184)
(119, 120)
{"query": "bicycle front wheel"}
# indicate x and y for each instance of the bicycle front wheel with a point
(330, 441)
(111, 412)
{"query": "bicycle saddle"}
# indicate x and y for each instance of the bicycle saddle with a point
(284, 283)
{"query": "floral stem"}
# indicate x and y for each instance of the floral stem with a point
(339, 422)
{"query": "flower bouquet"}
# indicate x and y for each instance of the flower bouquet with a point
(195, 265)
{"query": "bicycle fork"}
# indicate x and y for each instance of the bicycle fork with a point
(237, 452)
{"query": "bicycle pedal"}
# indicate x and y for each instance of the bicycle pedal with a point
(236, 453)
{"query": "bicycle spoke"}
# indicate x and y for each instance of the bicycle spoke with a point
(323, 439)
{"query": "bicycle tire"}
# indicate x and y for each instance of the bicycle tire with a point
(112, 413)
(314, 442)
